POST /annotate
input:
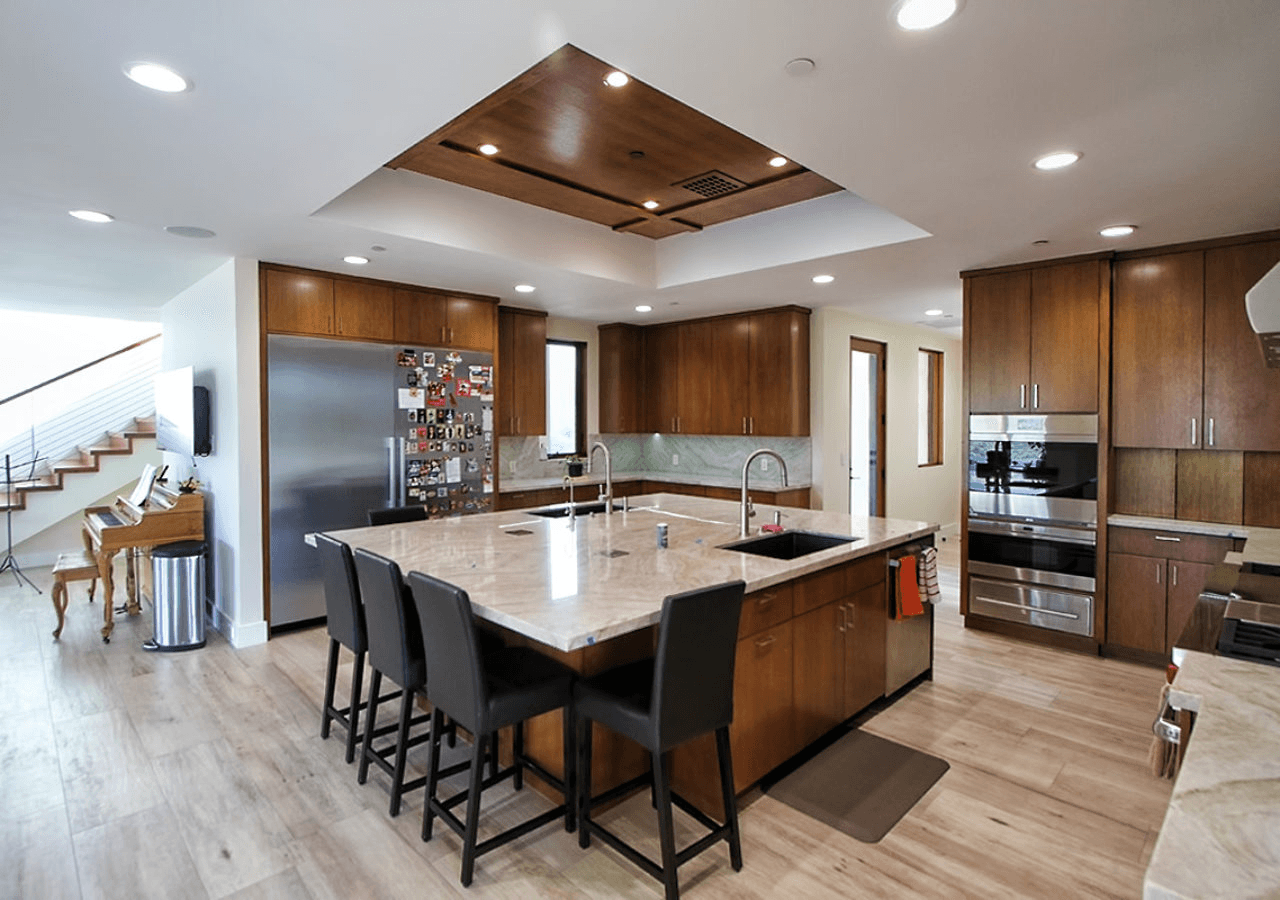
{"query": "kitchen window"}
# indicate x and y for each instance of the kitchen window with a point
(566, 392)
(929, 435)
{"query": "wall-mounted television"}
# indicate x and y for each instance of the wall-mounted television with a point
(182, 414)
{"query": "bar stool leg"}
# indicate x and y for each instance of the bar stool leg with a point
(584, 782)
(517, 753)
(730, 801)
(570, 772)
(433, 774)
(371, 718)
(473, 809)
(357, 683)
(330, 681)
(402, 749)
(666, 828)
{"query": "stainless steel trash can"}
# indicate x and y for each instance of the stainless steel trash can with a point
(177, 579)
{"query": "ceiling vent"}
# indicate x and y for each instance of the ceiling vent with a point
(712, 184)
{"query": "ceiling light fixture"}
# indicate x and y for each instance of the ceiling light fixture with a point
(933, 312)
(801, 65)
(525, 288)
(644, 307)
(189, 231)
(356, 260)
(487, 149)
(778, 162)
(1058, 160)
(91, 215)
(157, 77)
(823, 279)
(616, 79)
(650, 204)
(920, 15)
(1118, 230)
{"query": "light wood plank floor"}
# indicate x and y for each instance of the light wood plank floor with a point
(128, 774)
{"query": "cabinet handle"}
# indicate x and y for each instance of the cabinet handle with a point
(744, 424)
(765, 599)
(1022, 396)
(1211, 431)
(443, 338)
(752, 422)
(848, 607)
(1172, 540)
(765, 641)
(1175, 575)
(450, 335)
(1158, 568)
(1193, 431)
(1035, 396)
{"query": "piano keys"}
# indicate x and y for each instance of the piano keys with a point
(153, 514)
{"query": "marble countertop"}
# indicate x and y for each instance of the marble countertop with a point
(1186, 526)
(571, 583)
(1221, 834)
(766, 482)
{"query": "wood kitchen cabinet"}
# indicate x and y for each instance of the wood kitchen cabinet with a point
(364, 310)
(778, 387)
(439, 319)
(1033, 338)
(621, 357)
(662, 376)
(522, 372)
(297, 302)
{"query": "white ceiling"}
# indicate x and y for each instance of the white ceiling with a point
(297, 103)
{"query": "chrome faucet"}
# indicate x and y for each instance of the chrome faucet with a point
(568, 484)
(747, 512)
(607, 496)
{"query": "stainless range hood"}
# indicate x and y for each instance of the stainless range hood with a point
(1262, 303)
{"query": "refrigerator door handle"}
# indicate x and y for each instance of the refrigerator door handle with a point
(395, 459)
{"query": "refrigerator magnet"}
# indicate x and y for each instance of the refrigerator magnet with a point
(413, 415)
(476, 374)
(407, 358)
(411, 398)
(454, 357)
(412, 379)
(463, 389)
(428, 360)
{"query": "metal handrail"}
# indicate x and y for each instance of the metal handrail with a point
(87, 365)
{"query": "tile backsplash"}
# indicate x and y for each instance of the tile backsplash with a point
(675, 456)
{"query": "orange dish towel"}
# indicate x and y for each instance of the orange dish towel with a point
(907, 600)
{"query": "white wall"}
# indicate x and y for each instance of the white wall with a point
(213, 327)
(931, 494)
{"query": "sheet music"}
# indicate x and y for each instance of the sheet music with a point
(142, 492)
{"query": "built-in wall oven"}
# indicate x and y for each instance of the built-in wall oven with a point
(1032, 542)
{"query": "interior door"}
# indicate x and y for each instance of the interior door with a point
(867, 414)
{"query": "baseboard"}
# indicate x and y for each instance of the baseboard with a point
(237, 634)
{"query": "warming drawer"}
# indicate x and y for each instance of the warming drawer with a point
(1032, 605)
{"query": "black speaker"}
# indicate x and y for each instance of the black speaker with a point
(200, 420)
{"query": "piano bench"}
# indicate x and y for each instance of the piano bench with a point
(79, 566)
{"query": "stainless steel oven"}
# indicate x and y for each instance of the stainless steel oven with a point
(1032, 540)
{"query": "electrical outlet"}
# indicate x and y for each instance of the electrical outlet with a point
(542, 446)
(764, 464)
(675, 459)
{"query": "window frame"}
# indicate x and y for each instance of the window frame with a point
(930, 393)
(580, 401)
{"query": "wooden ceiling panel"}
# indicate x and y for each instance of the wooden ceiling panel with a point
(569, 142)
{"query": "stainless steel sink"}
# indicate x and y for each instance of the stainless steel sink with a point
(788, 544)
(560, 510)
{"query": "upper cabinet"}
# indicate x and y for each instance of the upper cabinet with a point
(446, 320)
(1033, 338)
(363, 309)
(298, 302)
(522, 372)
(1187, 371)
(621, 358)
(778, 389)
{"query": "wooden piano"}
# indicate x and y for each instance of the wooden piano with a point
(142, 521)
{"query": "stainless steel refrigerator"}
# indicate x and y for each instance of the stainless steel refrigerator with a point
(356, 426)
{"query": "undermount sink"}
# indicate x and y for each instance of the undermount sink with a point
(788, 544)
(560, 510)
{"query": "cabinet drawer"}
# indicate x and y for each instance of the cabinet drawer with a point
(764, 609)
(1169, 544)
(820, 588)
(865, 572)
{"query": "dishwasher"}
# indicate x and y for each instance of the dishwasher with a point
(909, 640)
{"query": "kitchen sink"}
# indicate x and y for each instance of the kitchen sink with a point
(560, 510)
(788, 544)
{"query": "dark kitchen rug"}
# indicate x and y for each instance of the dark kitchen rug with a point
(861, 785)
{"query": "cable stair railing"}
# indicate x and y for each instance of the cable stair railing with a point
(62, 426)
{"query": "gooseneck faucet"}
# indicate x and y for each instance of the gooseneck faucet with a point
(608, 475)
(745, 530)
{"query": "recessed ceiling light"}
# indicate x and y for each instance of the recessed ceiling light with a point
(644, 307)
(157, 77)
(650, 204)
(1040, 242)
(189, 231)
(487, 149)
(356, 260)
(801, 65)
(90, 215)
(918, 15)
(933, 312)
(778, 162)
(1057, 160)
(525, 288)
(823, 279)
(616, 79)
(1118, 230)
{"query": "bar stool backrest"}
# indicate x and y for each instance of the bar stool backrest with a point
(341, 594)
(457, 682)
(693, 667)
(395, 637)
(396, 514)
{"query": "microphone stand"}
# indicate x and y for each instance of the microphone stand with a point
(9, 562)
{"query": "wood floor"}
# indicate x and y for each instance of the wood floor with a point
(128, 774)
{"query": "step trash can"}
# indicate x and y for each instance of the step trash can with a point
(177, 579)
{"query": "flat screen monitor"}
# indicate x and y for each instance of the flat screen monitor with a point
(182, 414)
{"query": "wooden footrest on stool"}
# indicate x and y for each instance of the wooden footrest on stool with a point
(77, 566)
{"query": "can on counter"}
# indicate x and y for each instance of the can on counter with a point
(662, 535)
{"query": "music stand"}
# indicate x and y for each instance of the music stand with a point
(9, 562)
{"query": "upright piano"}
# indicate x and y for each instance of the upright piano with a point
(153, 514)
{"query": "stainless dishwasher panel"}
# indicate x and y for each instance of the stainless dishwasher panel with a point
(1051, 608)
(908, 646)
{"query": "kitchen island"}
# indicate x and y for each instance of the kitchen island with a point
(816, 641)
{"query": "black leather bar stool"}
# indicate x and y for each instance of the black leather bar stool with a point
(395, 651)
(485, 693)
(397, 514)
(345, 623)
(685, 691)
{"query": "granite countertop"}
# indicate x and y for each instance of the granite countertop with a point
(571, 583)
(1186, 526)
(766, 482)
(1221, 834)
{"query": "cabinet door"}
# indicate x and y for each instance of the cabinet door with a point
(778, 378)
(1136, 602)
(522, 373)
(1185, 581)
(864, 661)
(729, 378)
(819, 671)
(364, 310)
(762, 734)
(298, 303)
(661, 378)
(696, 391)
(999, 332)
(1064, 338)
(1157, 355)
(1241, 395)
(505, 376)
(421, 318)
(621, 357)
(473, 324)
